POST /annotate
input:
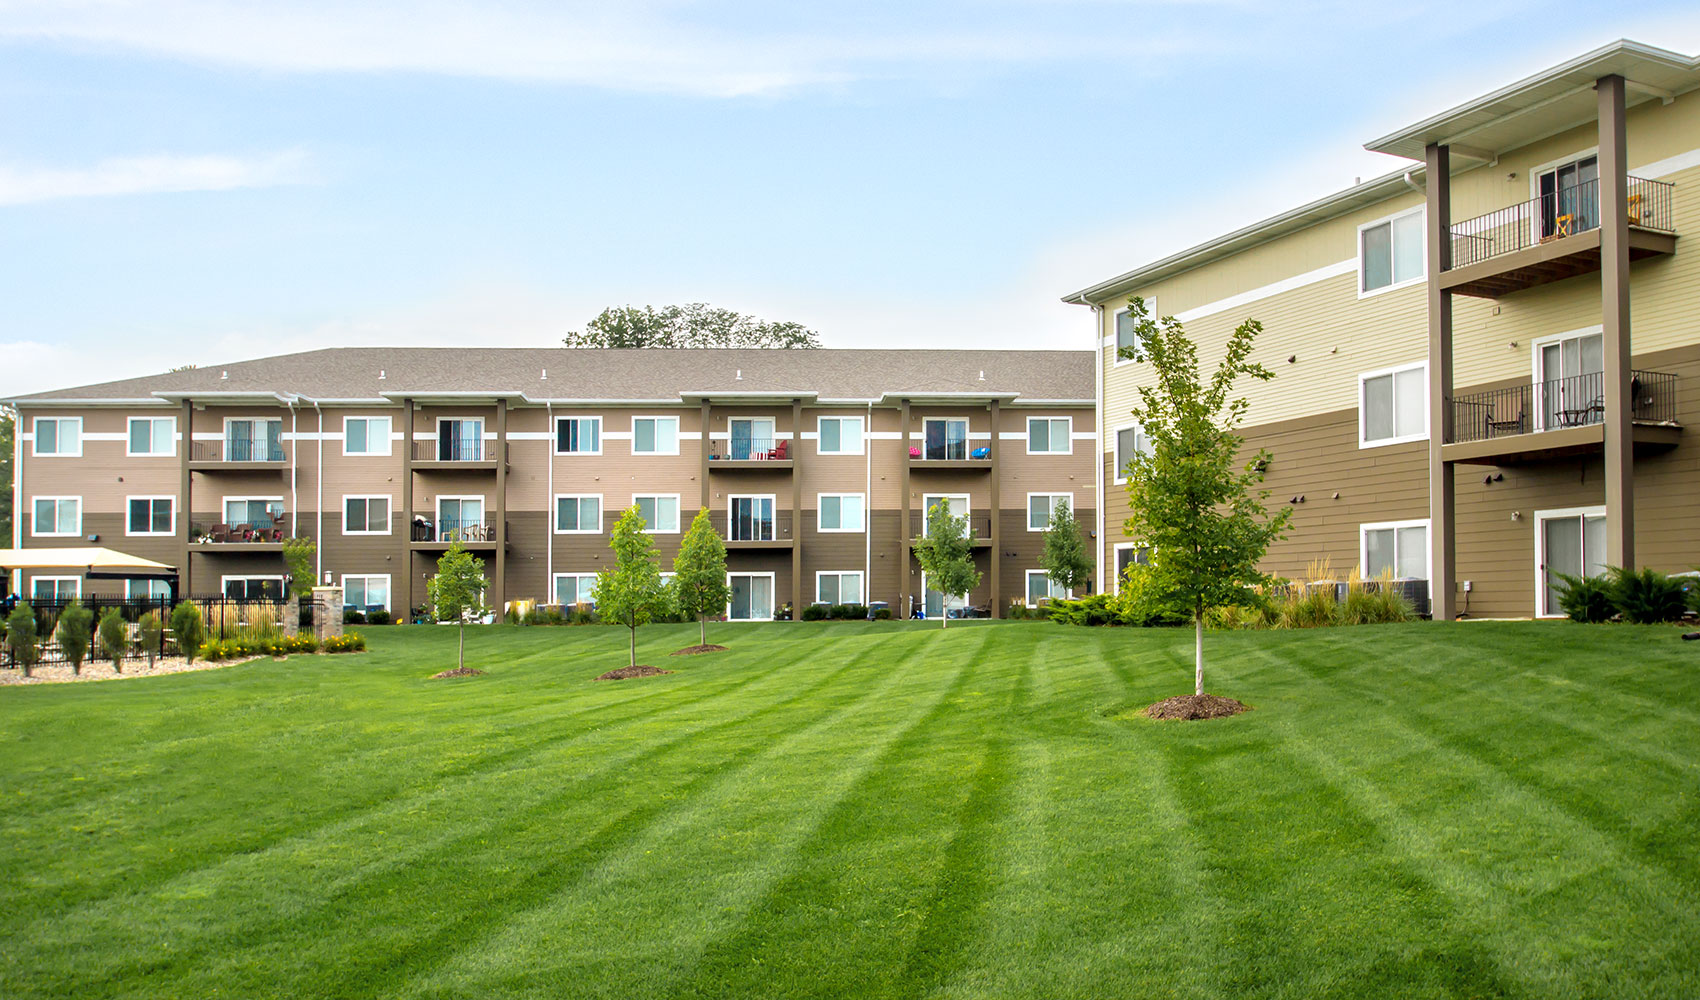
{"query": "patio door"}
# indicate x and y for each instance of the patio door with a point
(1570, 198)
(752, 597)
(751, 519)
(1570, 380)
(460, 518)
(1571, 542)
(938, 604)
(460, 440)
(945, 440)
(750, 436)
(956, 503)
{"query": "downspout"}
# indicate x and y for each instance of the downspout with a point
(294, 493)
(554, 505)
(1414, 186)
(1098, 446)
(17, 575)
(867, 507)
(319, 530)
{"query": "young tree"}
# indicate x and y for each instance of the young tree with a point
(114, 640)
(20, 636)
(1194, 505)
(457, 592)
(946, 555)
(1065, 559)
(152, 629)
(695, 325)
(76, 625)
(188, 629)
(631, 592)
(298, 556)
(699, 573)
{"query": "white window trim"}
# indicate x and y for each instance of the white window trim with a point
(820, 503)
(861, 435)
(678, 430)
(170, 437)
(388, 592)
(601, 512)
(1363, 379)
(555, 445)
(77, 580)
(389, 511)
(772, 597)
(927, 500)
(223, 502)
(1053, 496)
(967, 436)
(1027, 585)
(389, 425)
(35, 527)
(35, 438)
(1068, 438)
(1550, 166)
(225, 438)
(1359, 253)
(150, 534)
(1115, 456)
(861, 584)
(555, 587)
(1541, 519)
(772, 498)
(1115, 562)
(483, 506)
(484, 452)
(1537, 371)
(1428, 544)
(150, 582)
(1116, 359)
(224, 581)
(679, 515)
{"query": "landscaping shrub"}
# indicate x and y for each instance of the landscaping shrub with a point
(188, 629)
(75, 625)
(1019, 611)
(581, 614)
(882, 614)
(1236, 617)
(152, 631)
(1647, 597)
(382, 617)
(353, 616)
(551, 616)
(1139, 604)
(348, 642)
(1585, 598)
(858, 612)
(1304, 606)
(301, 643)
(815, 613)
(20, 636)
(1094, 609)
(114, 639)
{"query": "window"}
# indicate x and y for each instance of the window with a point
(1126, 339)
(253, 588)
(838, 588)
(1570, 379)
(957, 504)
(575, 588)
(57, 516)
(59, 436)
(369, 592)
(840, 436)
(253, 439)
(365, 435)
(1390, 252)
(841, 512)
(660, 513)
(750, 519)
(655, 435)
(945, 440)
(151, 436)
(1129, 554)
(461, 519)
(578, 515)
(460, 440)
(1130, 441)
(56, 588)
(1040, 506)
(578, 435)
(1050, 436)
(1040, 588)
(253, 512)
(1394, 404)
(150, 516)
(749, 437)
(147, 590)
(1396, 547)
(365, 515)
(752, 597)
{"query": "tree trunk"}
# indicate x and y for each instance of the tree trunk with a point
(1198, 652)
(460, 654)
(634, 645)
(702, 624)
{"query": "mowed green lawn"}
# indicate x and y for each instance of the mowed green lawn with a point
(868, 810)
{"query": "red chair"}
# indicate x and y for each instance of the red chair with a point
(780, 452)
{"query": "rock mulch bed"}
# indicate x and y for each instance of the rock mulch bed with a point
(641, 670)
(60, 673)
(1196, 706)
(458, 672)
(695, 650)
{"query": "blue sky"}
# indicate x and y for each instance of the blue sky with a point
(193, 181)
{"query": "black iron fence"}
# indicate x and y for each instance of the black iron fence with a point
(1554, 404)
(1570, 210)
(222, 617)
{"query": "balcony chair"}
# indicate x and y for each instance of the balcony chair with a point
(980, 453)
(1497, 424)
(221, 533)
(781, 451)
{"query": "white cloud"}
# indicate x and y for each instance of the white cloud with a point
(150, 175)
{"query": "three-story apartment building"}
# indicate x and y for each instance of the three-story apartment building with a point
(1487, 365)
(817, 467)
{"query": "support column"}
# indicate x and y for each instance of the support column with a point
(406, 612)
(997, 516)
(499, 586)
(1614, 313)
(185, 486)
(703, 476)
(903, 525)
(796, 454)
(1442, 503)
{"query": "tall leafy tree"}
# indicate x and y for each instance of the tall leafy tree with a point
(631, 591)
(695, 324)
(457, 592)
(699, 573)
(946, 554)
(1065, 559)
(1194, 503)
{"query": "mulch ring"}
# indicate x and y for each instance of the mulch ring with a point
(694, 650)
(459, 672)
(641, 670)
(1196, 706)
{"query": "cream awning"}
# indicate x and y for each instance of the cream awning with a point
(91, 559)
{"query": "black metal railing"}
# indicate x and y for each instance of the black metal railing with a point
(1577, 401)
(1555, 215)
(758, 529)
(222, 618)
(454, 529)
(454, 449)
(752, 449)
(236, 450)
(239, 532)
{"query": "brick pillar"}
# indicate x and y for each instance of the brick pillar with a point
(327, 612)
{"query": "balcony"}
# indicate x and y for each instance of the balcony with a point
(237, 537)
(1557, 418)
(458, 455)
(979, 525)
(236, 455)
(761, 532)
(1553, 237)
(754, 454)
(436, 536)
(941, 458)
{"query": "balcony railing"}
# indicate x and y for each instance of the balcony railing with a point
(760, 529)
(1555, 404)
(236, 450)
(979, 525)
(454, 449)
(752, 449)
(1553, 216)
(454, 529)
(249, 532)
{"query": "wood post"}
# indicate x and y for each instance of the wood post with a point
(1614, 313)
(1442, 503)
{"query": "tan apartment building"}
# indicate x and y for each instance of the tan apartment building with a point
(817, 467)
(1487, 365)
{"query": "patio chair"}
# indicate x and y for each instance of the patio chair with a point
(1499, 423)
(780, 451)
(221, 533)
(980, 453)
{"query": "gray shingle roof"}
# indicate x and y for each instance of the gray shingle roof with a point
(345, 373)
